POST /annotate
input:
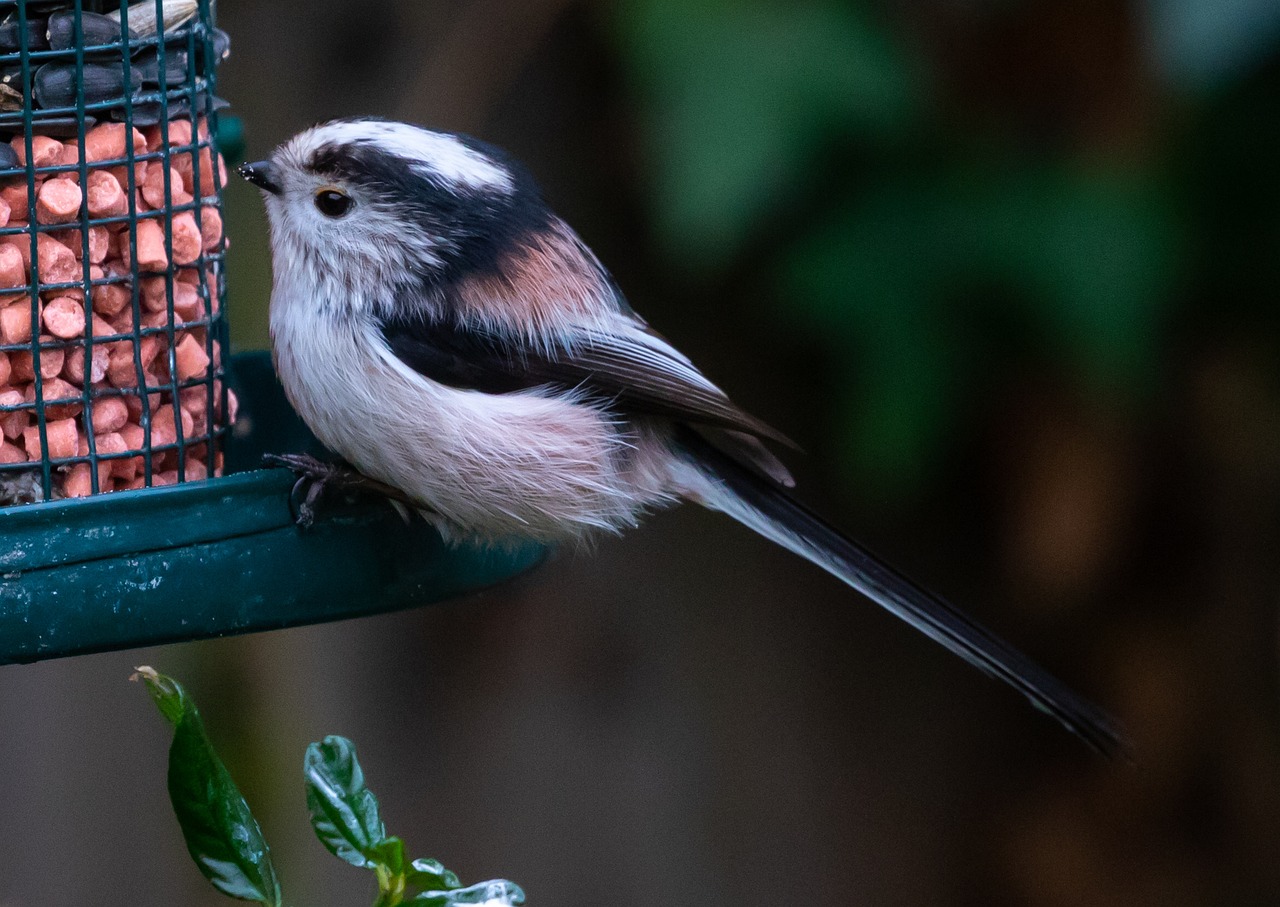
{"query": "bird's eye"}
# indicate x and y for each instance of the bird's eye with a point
(332, 202)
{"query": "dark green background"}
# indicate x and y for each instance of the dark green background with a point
(1006, 269)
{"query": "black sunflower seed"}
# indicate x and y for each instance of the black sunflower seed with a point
(55, 84)
(99, 31)
(150, 113)
(10, 34)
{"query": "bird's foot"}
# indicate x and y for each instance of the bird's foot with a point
(316, 479)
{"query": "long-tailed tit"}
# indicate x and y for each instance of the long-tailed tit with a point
(436, 325)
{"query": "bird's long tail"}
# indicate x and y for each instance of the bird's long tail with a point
(771, 511)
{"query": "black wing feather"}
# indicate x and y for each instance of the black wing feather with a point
(633, 370)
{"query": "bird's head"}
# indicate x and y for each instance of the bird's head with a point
(374, 203)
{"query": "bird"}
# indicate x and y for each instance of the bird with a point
(448, 336)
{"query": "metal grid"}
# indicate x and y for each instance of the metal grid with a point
(193, 97)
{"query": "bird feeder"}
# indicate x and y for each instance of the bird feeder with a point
(129, 490)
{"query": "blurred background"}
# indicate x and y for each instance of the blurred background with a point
(1006, 269)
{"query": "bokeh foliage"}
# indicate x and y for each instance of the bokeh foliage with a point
(954, 244)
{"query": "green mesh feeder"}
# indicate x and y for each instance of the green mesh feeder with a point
(134, 510)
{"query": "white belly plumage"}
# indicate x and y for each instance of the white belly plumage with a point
(490, 466)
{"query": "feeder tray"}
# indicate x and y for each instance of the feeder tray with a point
(220, 557)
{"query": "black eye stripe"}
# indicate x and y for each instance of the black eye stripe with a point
(332, 203)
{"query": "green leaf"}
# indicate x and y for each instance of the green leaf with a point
(221, 833)
(431, 875)
(496, 891)
(344, 813)
(388, 854)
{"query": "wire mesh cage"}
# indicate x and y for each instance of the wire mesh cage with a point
(112, 290)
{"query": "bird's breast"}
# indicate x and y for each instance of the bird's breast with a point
(535, 464)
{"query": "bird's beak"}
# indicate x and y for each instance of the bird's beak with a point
(261, 175)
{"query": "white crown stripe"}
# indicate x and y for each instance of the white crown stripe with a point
(430, 153)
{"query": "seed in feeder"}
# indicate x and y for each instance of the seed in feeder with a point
(15, 323)
(121, 370)
(57, 263)
(64, 317)
(195, 402)
(11, 33)
(13, 423)
(187, 241)
(155, 319)
(194, 471)
(105, 142)
(78, 482)
(176, 62)
(123, 323)
(98, 30)
(155, 296)
(5, 369)
(9, 159)
(63, 437)
(11, 453)
(180, 134)
(125, 470)
(150, 348)
(105, 444)
(55, 84)
(5, 210)
(211, 227)
(13, 271)
(21, 242)
(58, 202)
(103, 328)
(70, 158)
(45, 151)
(10, 97)
(150, 242)
(104, 195)
(53, 391)
(22, 364)
(109, 414)
(191, 359)
(187, 304)
(99, 244)
(143, 20)
(110, 298)
(153, 188)
(207, 184)
(134, 435)
(15, 196)
(163, 431)
(73, 367)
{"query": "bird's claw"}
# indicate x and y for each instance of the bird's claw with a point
(316, 478)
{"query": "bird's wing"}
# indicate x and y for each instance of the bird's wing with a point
(627, 365)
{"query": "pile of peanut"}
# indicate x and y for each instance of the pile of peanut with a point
(130, 372)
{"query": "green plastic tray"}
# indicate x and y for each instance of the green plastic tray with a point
(219, 557)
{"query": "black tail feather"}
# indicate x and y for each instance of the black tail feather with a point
(770, 510)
